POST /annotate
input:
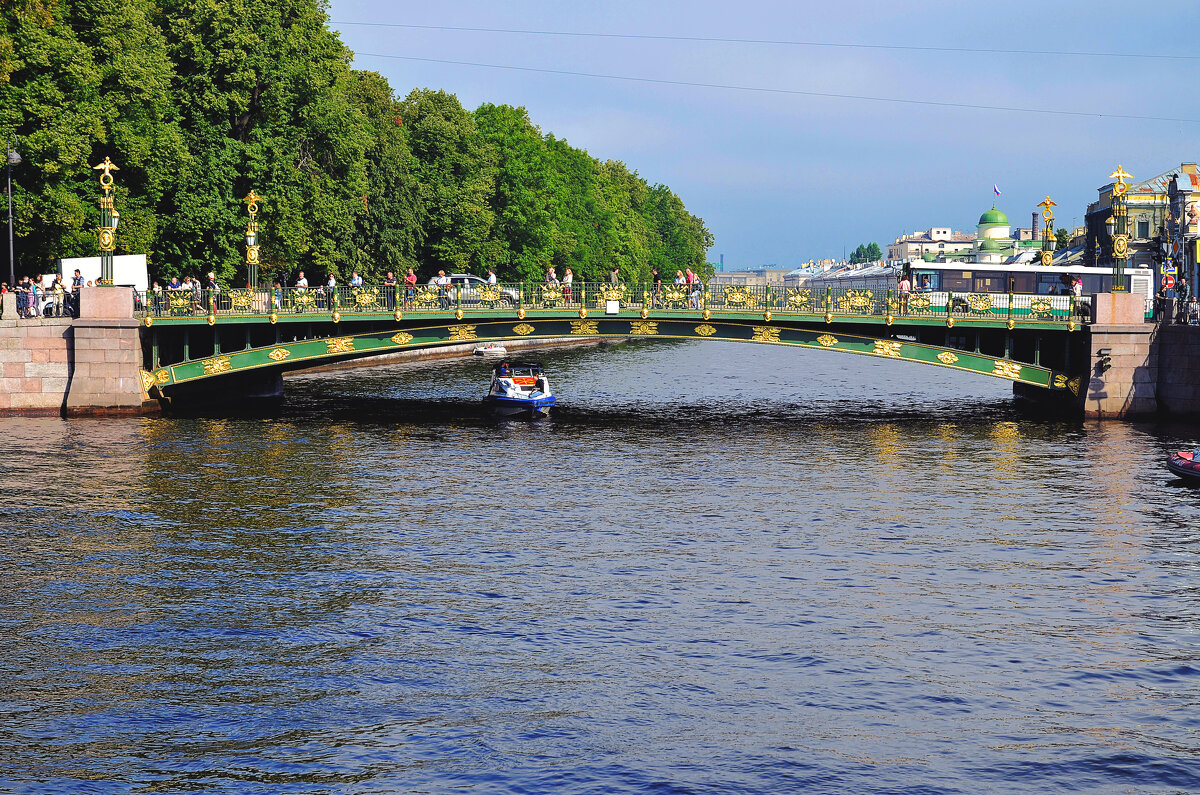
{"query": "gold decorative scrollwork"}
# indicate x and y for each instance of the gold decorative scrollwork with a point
(887, 348)
(1007, 370)
(1073, 385)
(799, 299)
(462, 333)
(584, 327)
(552, 294)
(856, 301)
(217, 364)
(106, 238)
(402, 337)
(179, 300)
(946, 357)
(980, 303)
(1040, 307)
(339, 345)
(613, 292)
(705, 330)
(279, 354)
(893, 305)
(147, 381)
(427, 295)
(523, 329)
(740, 296)
(1120, 246)
(1047, 259)
(490, 294)
(241, 299)
(674, 294)
(827, 340)
(364, 298)
(1060, 381)
(643, 328)
(765, 334)
(162, 376)
(919, 303)
(305, 301)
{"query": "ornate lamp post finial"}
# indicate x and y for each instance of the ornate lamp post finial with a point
(1047, 206)
(252, 199)
(108, 221)
(1120, 240)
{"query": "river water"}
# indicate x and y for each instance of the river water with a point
(718, 568)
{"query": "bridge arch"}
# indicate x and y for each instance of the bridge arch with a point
(255, 363)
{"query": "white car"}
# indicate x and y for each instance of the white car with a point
(470, 285)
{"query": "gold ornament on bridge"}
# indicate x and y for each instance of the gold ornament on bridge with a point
(147, 381)
(827, 340)
(523, 329)
(945, 357)
(216, 365)
(490, 294)
(1071, 324)
(364, 298)
(336, 317)
(584, 327)
(583, 311)
(767, 316)
(106, 238)
(521, 313)
(279, 354)
(949, 322)
(856, 301)
(705, 330)
(799, 299)
(458, 314)
(148, 322)
(828, 317)
(241, 299)
(1047, 259)
(674, 294)
(613, 292)
(919, 303)
(552, 294)
(740, 296)
(980, 303)
(212, 320)
(1007, 370)
(1073, 385)
(339, 345)
(887, 348)
(764, 334)
(398, 315)
(401, 337)
(1010, 324)
(305, 301)
(1120, 246)
(1040, 307)
(162, 376)
(645, 313)
(889, 319)
(427, 295)
(461, 333)
(274, 318)
(643, 328)
(706, 314)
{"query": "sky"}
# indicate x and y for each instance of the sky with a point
(781, 176)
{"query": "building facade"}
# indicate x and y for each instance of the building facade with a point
(936, 241)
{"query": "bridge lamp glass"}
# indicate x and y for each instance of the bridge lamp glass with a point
(14, 159)
(251, 238)
(1110, 225)
(116, 218)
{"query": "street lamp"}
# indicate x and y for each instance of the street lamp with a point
(252, 199)
(1047, 205)
(108, 222)
(11, 159)
(1116, 229)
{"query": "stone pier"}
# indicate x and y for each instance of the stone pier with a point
(87, 365)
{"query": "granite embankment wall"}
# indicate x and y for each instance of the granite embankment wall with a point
(88, 365)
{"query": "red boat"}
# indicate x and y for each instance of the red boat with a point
(1185, 464)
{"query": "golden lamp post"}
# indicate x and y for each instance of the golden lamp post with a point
(109, 218)
(1115, 225)
(252, 199)
(1047, 206)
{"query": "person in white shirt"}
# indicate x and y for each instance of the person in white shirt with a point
(301, 283)
(443, 283)
(355, 280)
(491, 277)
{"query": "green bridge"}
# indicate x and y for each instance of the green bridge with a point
(197, 344)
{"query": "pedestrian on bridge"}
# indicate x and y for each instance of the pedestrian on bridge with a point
(443, 283)
(905, 287)
(410, 288)
(389, 291)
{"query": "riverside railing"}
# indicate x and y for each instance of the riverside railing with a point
(603, 297)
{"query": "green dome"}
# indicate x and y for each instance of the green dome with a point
(929, 256)
(993, 216)
(991, 244)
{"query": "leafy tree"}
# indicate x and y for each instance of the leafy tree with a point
(1062, 238)
(866, 252)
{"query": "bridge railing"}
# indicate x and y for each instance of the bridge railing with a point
(660, 298)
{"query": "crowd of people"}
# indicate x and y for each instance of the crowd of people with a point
(46, 295)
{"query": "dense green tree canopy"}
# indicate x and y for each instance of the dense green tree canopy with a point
(867, 252)
(200, 101)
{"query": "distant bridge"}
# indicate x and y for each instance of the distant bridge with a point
(196, 343)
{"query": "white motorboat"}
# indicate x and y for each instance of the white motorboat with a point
(519, 389)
